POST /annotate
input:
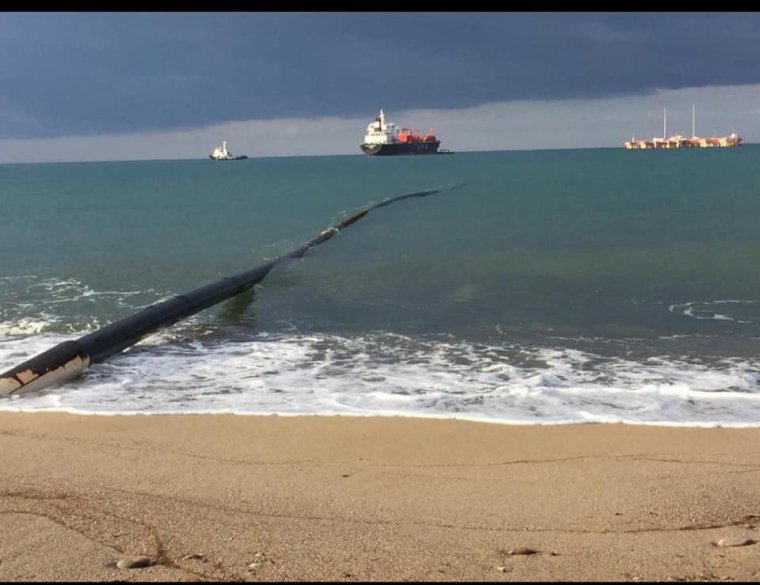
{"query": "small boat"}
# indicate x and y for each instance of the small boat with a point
(221, 153)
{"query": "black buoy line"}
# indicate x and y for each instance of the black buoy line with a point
(69, 359)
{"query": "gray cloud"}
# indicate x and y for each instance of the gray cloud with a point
(67, 74)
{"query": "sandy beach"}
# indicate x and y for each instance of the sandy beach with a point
(271, 498)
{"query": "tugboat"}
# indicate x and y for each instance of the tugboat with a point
(221, 153)
(387, 139)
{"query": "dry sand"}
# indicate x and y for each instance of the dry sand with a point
(216, 497)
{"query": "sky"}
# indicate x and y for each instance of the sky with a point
(77, 86)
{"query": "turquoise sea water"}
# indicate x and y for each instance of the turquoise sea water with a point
(536, 287)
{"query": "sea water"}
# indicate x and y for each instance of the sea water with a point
(537, 287)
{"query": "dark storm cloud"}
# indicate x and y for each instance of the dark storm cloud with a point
(93, 73)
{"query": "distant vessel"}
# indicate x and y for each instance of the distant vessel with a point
(678, 141)
(221, 153)
(387, 139)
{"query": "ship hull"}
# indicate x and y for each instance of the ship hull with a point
(400, 148)
(237, 157)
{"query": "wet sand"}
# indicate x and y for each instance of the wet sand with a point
(217, 497)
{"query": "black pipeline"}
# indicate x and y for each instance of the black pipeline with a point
(69, 359)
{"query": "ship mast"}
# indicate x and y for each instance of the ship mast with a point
(693, 126)
(664, 123)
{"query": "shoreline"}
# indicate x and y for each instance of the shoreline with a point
(399, 416)
(374, 498)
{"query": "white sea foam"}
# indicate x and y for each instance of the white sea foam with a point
(27, 325)
(394, 375)
(706, 310)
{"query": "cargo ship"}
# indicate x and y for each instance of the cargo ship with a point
(678, 141)
(387, 139)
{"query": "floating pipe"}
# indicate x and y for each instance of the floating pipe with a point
(69, 359)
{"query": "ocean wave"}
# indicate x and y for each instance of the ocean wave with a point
(742, 311)
(385, 374)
